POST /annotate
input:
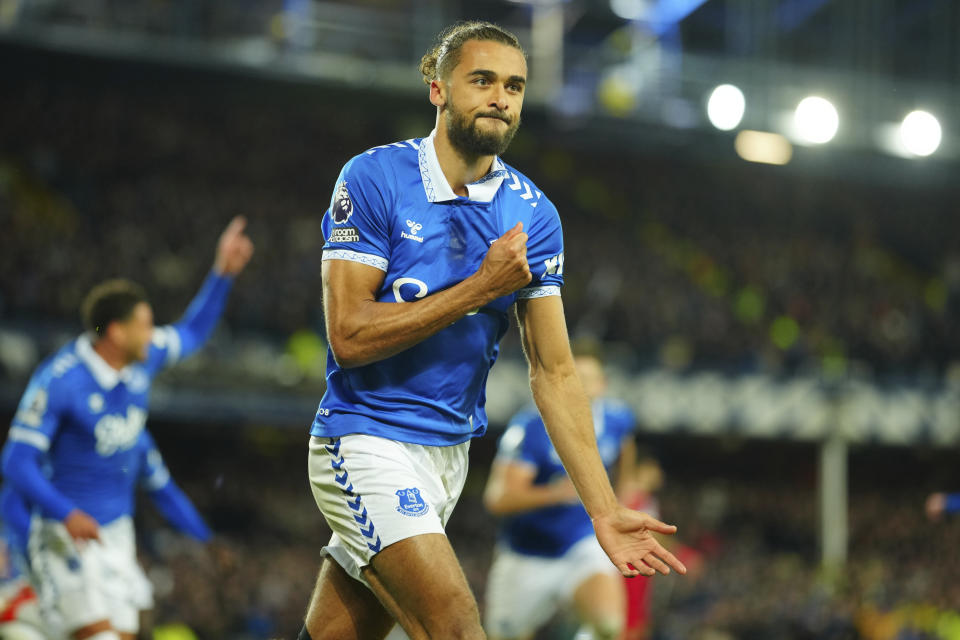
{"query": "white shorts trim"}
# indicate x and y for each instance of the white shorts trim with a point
(373, 492)
(524, 591)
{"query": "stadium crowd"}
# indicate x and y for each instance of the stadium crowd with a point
(683, 264)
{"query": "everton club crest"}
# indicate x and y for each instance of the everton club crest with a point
(411, 504)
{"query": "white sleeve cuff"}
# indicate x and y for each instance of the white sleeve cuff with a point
(354, 256)
(539, 292)
(30, 437)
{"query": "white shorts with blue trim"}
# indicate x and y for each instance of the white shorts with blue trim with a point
(525, 591)
(82, 583)
(373, 492)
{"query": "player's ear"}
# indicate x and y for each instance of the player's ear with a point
(438, 93)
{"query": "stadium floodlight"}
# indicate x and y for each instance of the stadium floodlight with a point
(725, 107)
(815, 120)
(630, 9)
(920, 133)
(763, 146)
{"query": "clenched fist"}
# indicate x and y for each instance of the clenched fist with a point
(505, 269)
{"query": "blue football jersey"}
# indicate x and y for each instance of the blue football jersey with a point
(393, 209)
(552, 530)
(89, 418)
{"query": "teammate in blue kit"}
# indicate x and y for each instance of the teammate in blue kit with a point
(429, 243)
(547, 556)
(940, 503)
(78, 447)
(19, 610)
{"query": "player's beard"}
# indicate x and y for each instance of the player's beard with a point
(470, 141)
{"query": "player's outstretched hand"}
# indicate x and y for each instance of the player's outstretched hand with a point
(234, 248)
(627, 537)
(504, 269)
(81, 526)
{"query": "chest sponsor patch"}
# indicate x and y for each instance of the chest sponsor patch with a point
(344, 234)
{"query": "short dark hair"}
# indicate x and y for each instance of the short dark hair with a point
(110, 301)
(444, 55)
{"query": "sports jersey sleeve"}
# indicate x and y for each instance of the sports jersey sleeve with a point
(544, 253)
(34, 427)
(356, 226)
(518, 443)
(172, 343)
(953, 503)
(169, 499)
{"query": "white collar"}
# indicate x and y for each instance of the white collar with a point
(105, 375)
(437, 188)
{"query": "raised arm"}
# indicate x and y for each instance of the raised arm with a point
(624, 534)
(234, 250)
(362, 330)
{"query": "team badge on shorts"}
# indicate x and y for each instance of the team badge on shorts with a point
(342, 207)
(411, 504)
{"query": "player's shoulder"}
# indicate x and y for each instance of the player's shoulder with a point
(518, 188)
(63, 366)
(384, 160)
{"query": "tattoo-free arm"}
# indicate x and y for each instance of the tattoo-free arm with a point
(362, 330)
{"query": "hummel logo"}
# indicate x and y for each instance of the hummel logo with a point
(414, 227)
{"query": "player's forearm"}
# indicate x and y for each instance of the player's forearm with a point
(21, 468)
(204, 312)
(569, 422)
(371, 331)
(514, 500)
(180, 512)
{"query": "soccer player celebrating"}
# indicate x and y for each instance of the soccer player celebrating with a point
(82, 419)
(429, 243)
(547, 556)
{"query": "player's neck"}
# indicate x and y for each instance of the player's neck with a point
(458, 169)
(110, 353)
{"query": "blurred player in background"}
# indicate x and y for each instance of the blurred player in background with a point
(637, 489)
(429, 242)
(19, 609)
(548, 558)
(940, 503)
(78, 447)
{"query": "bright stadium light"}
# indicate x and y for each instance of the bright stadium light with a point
(630, 9)
(763, 146)
(815, 120)
(920, 133)
(725, 107)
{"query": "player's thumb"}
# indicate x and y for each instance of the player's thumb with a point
(515, 230)
(658, 527)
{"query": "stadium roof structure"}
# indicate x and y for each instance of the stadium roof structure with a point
(627, 71)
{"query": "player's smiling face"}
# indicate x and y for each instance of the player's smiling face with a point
(484, 96)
